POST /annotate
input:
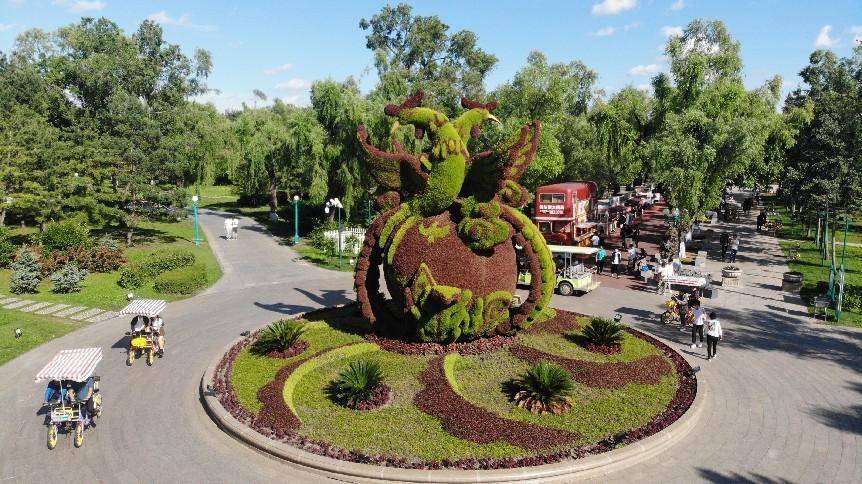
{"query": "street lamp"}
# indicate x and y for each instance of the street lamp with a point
(295, 219)
(195, 209)
(336, 203)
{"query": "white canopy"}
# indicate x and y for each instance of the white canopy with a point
(145, 307)
(572, 249)
(75, 365)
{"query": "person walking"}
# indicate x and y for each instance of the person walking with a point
(616, 262)
(697, 326)
(235, 228)
(761, 220)
(636, 235)
(713, 336)
(228, 228)
(600, 259)
(725, 243)
(734, 248)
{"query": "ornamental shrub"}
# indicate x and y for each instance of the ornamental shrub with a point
(852, 298)
(6, 247)
(136, 274)
(604, 332)
(105, 259)
(26, 274)
(132, 276)
(65, 235)
(318, 239)
(53, 261)
(278, 336)
(544, 388)
(356, 384)
(184, 280)
(68, 279)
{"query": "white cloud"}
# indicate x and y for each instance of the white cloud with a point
(296, 100)
(856, 30)
(678, 5)
(671, 30)
(163, 18)
(644, 87)
(86, 6)
(630, 26)
(613, 7)
(5, 27)
(277, 69)
(643, 70)
(823, 40)
(605, 31)
(295, 83)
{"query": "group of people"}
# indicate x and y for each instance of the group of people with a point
(231, 228)
(729, 244)
(156, 326)
(692, 313)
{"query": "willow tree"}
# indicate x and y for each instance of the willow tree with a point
(621, 125)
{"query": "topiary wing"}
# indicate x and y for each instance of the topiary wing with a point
(495, 173)
(392, 170)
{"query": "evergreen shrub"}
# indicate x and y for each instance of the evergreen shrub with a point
(68, 278)
(65, 235)
(26, 274)
(183, 280)
(7, 249)
(136, 274)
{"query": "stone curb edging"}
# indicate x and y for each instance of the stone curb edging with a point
(587, 467)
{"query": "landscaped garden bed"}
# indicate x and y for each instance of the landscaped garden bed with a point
(432, 406)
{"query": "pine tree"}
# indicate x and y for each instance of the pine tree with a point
(26, 274)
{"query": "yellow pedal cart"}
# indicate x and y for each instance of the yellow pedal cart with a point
(143, 338)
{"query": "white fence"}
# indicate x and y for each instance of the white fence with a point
(359, 232)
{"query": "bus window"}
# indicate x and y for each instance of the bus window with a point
(562, 227)
(544, 227)
(552, 198)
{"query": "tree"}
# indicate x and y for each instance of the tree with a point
(620, 128)
(417, 52)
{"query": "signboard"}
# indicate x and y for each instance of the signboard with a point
(552, 208)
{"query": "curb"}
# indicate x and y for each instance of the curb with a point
(565, 471)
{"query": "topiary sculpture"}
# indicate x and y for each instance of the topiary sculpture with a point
(447, 231)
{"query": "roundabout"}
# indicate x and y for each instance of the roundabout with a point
(450, 419)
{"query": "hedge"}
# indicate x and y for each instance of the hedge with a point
(184, 280)
(135, 275)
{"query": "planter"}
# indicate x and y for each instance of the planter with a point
(730, 276)
(791, 281)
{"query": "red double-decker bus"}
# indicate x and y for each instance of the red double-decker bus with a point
(562, 212)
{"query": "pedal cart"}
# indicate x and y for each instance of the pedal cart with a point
(72, 396)
(143, 338)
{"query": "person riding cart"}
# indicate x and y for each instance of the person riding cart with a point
(147, 329)
(72, 395)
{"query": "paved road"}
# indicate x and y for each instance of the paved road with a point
(785, 405)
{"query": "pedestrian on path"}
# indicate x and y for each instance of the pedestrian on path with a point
(228, 228)
(761, 220)
(616, 262)
(734, 248)
(636, 235)
(697, 325)
(600, 259)
(713, 336)
(725, 243)
(235, 228)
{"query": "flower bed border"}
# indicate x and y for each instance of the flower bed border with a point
(593, 460)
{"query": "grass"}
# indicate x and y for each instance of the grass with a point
(37, 330)
(815, 270)
(401, 429)
(102, 291)
(311, 254)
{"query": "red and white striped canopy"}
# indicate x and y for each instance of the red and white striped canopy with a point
(145, 307)
(75, 365)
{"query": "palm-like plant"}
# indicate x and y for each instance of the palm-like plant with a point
(278, 336)
(544, 388)
(604, 332)
(356, 384)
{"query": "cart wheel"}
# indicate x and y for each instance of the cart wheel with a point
(52, 436)
(565, 289)
(79, 434)
(150, 357)
(97, 403)
(131, 358)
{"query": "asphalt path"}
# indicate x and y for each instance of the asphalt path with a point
(784, 406)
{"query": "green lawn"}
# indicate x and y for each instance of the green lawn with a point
(102, 291)
(815, 270)
(319, 258)
(37, 329)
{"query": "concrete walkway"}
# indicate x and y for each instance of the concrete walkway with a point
(66, 311)
(785, 403)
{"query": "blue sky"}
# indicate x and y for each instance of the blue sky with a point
(280, 47)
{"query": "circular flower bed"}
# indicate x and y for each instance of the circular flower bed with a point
(451, 406)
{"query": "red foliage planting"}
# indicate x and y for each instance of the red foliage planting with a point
(469, 422)
(610, 349)
(475, 347)
(563, 322)
(381, 397)
(649, 370)
(297, 348)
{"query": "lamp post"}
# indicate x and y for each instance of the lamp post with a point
(295, 219)
(336, 203)
(195, 210)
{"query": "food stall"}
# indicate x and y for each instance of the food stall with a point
(562, 211)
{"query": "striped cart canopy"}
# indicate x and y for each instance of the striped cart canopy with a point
(75, 365)
(144, 307)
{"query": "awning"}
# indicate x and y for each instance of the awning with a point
(145, 307)
(75, 365)
(572, 249)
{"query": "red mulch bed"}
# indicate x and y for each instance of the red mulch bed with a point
(381, 397)
(610, 349)
(678, 405)
(649, 370)
(294, 350)
(563, 322)
(469, 422)
(475, 347)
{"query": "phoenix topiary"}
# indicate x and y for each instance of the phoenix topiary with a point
(604, 332)
(544, 388)
(447, 231)
(278, 337)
